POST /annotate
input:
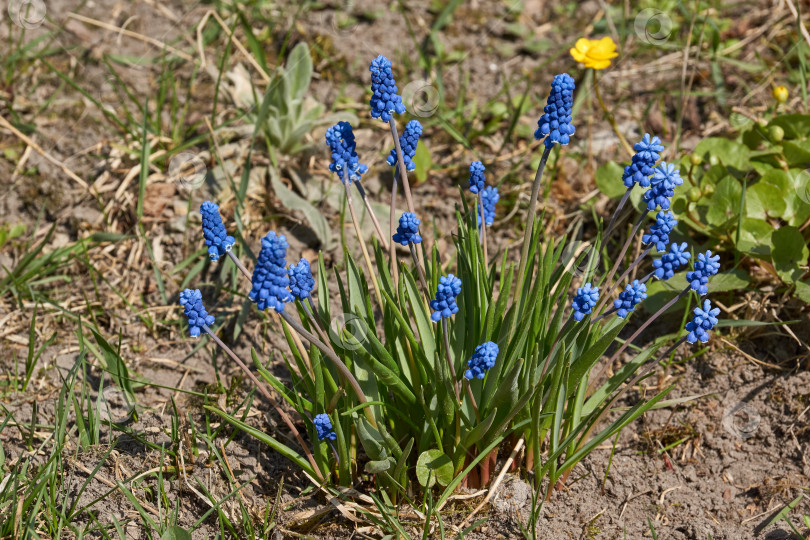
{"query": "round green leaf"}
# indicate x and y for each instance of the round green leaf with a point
(175, 533)
(609, 179)
(789, 252)
(434, 466)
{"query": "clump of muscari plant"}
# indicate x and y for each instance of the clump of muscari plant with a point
(440, 368)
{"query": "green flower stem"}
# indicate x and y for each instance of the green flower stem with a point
(263, 390)
(371, 214)
(470, 395)
(482, 222)
(560, 334)
(371, 275)
(401, 163)
(638, 332)
(616, 212)
(315, 323)
(643, 373)
(296, 339)
(530, 216)
(605, 294)
(449, 358)
(609, 288)
(609, 116)
(419, 270)
(341, 367)
(392, 253)
(239, 265)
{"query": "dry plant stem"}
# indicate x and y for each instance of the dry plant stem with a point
(609, 116)
(419, 270)
(449, 358)
(616, 213)
(371, 214)
(261, 388)
(371, 275)
(482, 223)
(341, 367)
(604, 296)
(530, 215)
(392, 253)
(239, 265)
(401, 162)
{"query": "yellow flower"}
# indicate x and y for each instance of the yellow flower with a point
(780, 94)
(594, 53)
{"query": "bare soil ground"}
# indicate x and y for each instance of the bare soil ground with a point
(718, 466)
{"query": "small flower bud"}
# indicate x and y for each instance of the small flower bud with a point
(695, 160)
(693, 194)
(780, 94)
(776, 133)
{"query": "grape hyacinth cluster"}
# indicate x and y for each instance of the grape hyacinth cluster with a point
(662, 186)
(323, 425)
(345, 162)
(408, 230)
(483, 359)
(648, 152)
(670, 261)
(407, 142)
(632, 294)
(706, 266)
(477, 178)
(555, 124)
(665, 223)
(384, 100)
(301, 280)
(216, 237)
(490, 198)
(191, 300)
(585, 300)
(702, 322)
(444, 306)
(270, 278)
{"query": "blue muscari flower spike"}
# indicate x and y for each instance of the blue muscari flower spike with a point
(216, 237)
(702, 322)
(670, 261)
(324, 427)
(345, 162)
(556, 120)
(445, 303)
(659, 233)
(648, 152)
(301, 280)
(705, 267)
(662, 188)
(477, 178)
(191, 300)
(585, 300)
(490, 198)
(385, 101)
(408, 229)
(632, 294)
(407, 141)
(483, 360)
(270, 279)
